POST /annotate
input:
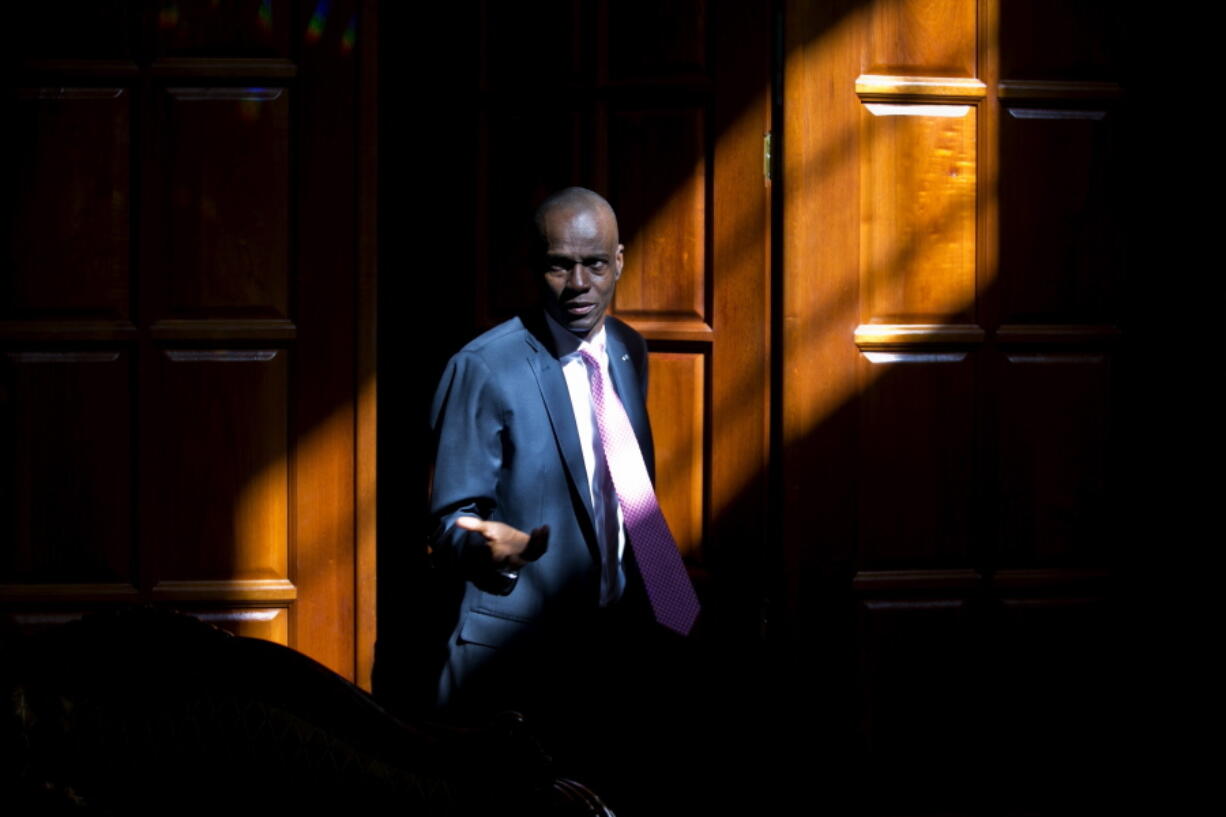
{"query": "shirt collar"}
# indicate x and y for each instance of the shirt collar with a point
(568, 343)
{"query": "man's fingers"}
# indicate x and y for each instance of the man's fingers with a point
(470, 523)
(507, 545)
(538, 542)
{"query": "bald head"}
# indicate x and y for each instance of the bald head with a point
(581, 258)
(575, 201)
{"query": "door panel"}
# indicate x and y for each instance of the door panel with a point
(677, 396)
(222, 202)
(74, 225)
(928, 38)
(918, 503)
(951, 274)
(1055, 459)
(1070, 277)
(269, 623)
(203, 28)
(183, 292)
(664, 214)
(209, 401)
(918, 213)
(68, 445)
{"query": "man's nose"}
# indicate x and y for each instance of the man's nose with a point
(578, 278)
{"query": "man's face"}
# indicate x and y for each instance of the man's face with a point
(581, 264)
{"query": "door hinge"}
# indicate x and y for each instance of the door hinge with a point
(766, 155)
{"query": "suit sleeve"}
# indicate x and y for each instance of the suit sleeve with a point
(467, 420)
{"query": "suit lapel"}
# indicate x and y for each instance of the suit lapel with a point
(621, 368)
(556, 397)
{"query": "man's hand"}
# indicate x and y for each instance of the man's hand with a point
(509, 547)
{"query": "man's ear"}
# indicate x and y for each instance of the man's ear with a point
(621, 259)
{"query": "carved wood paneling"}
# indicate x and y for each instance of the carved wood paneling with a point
(1056, 458)
(229, 327)
(219, 517)
(949, 412)
(918, 658)
(67, 480)
(918, 213)
(532, 152)
(34, 621)
(64, 595)
(923, 37)
(1055, 711)
(256, 28)
(917, 460)
(903, 88)
(658, 171)
(232, 68)
(70, 204)
(911, 335)
(223, 330)
(223, 207)
(820, 165)
(655, 40)
(527, 51)
(76, 29)
(893, 581)
(268, 623)
(1060, 253)
(743, 304)
(224, 590)
(1057, 39)
(328, 251)
(676, 402)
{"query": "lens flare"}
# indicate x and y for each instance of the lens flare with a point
(350, 36)
(264, 15)
(317, 23)
(168, 16)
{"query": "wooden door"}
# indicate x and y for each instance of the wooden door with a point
(187, 383)
(951, 443)
(663, 108)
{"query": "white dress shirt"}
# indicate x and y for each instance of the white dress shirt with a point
(607, 512)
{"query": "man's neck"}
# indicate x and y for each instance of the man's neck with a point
(567, 341)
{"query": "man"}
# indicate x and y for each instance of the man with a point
(524, 493)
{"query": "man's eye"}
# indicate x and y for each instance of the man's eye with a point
(597, 264)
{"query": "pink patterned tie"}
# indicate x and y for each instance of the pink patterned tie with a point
(668, 586)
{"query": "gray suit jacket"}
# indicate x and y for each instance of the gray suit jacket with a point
(507, 449)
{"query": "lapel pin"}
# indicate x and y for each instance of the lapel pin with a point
(625, 357)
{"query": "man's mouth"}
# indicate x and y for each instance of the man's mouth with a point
(578, 309)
